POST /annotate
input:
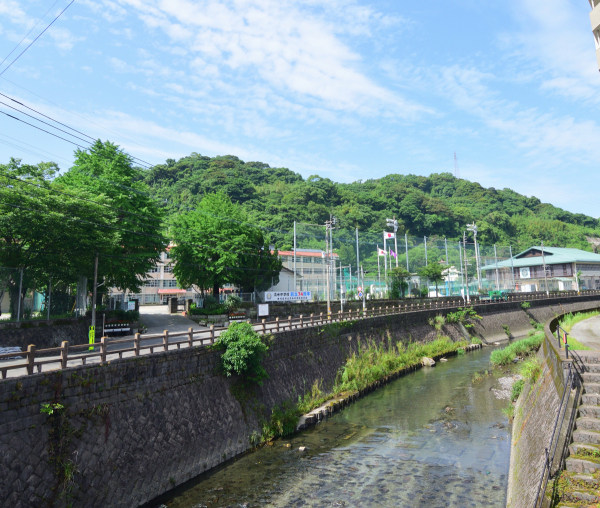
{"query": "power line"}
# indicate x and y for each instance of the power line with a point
(34, 40)
(43, 130)
(27, 34)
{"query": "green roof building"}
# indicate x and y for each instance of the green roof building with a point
(546, 268)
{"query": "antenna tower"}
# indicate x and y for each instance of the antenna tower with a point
(456, 171)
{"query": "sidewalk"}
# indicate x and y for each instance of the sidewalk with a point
(588, 332)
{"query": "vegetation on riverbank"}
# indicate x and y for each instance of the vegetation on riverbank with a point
(518, 349)
(370, 364)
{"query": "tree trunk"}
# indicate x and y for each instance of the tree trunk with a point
(216, 290)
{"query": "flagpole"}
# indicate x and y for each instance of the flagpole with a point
(378, 271)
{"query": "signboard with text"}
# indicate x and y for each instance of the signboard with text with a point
(287, 296)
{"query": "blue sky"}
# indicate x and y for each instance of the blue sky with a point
(345, 89)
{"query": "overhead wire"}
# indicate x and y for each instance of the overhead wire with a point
(28, 33)
(36, 38)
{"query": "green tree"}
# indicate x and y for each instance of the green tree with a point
(215, 245)
(433, 272)
(43, 231)
(398, 282)
(132, 240)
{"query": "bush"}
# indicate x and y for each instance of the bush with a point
(232, 303)
(243, 351)
(517, 388)
(521, 348)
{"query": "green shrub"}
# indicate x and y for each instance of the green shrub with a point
(520, 348)
(243, 351)
(464, 315)
(525, 305)
(531, 370)
(517, 388)
(232, 303)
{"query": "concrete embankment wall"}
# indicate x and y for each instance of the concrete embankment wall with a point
(132, 429)
(536, 414)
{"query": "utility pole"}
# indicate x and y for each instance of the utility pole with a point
(295, 283)
(92, 336)
(545, 273)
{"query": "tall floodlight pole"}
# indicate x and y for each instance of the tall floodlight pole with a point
(466, 272)
(295, 283)
(327, 225)
(545, 273)
(473, 229)
(357, 260)
(462, 273)
(496, 261)
(512, 268)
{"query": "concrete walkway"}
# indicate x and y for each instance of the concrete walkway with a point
(588, 332)
(157, 319)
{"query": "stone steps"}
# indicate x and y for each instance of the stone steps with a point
(589, 411)
(591, 399)
(576, 465)
(592, 368)
(591, 377)
(591, 388)
(577, 448)
(584, 423)
(587, 436)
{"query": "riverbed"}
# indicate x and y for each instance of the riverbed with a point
(434, 438)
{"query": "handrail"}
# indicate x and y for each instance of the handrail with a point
(574, 381)
(67, 355)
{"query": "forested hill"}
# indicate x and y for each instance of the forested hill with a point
(438, 205)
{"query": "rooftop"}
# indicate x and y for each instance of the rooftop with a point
(552, 256)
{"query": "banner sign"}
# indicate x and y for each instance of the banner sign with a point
(287, 296)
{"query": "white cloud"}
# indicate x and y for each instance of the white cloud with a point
(292, 47)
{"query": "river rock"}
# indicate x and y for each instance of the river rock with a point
(302, 448)
(427, 362)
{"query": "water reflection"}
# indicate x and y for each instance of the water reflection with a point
(433, 438)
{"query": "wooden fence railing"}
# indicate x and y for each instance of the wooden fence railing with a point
(36, 360)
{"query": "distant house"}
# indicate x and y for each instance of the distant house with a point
(537, 266)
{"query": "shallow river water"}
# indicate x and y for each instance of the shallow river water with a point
(433, 438)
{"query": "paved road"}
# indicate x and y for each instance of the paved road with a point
(588, 332)
(157, 319)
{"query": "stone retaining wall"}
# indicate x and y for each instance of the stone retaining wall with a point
(535, 415)
(132, 429)
(44, 334)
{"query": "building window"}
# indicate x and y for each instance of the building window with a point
(152, 283)
(169, 283)
(168, 269)
(154, 269)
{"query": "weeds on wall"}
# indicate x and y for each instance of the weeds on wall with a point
(465, 316)
(60, 457)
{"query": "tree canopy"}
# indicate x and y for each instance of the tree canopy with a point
(214, 244)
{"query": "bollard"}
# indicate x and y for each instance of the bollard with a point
(136, 344)
(64, 353)
(264, 325)
(103, 350)
(30, 358)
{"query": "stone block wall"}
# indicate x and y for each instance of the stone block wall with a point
(133, 429)
(44, 334)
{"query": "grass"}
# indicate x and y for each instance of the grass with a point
(520, 348)
(377, 361)
(569, 320)
(372, 363)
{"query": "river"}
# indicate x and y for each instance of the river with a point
(434, 438)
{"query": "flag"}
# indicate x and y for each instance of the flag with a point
(388, 236)
(393, 253)
(381, 252)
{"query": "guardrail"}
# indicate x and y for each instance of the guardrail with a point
(36, 360)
